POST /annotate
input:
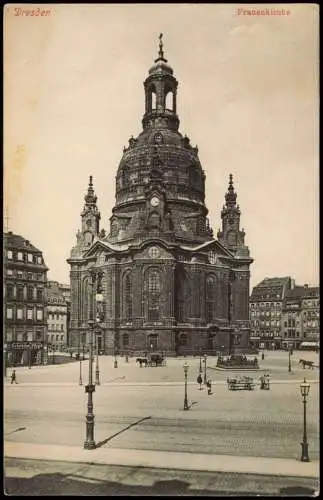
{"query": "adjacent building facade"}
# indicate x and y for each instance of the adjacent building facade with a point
(57, 314)
(266, 303)
(25, 315)
(311, 314)
(167, 283)
(283, 315)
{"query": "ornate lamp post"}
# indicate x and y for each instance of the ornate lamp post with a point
(205, 358)
(89, 443)
(289, 361)
(305, 389)
(80, 379)
(186, 407)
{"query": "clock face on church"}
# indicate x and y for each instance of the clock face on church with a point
(154, 201)
(158, 138)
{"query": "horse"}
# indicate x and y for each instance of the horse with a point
(142, 361)
(306, 363)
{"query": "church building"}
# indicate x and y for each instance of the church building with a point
(167, 283)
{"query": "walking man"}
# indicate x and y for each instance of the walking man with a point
(13, 377)
(209, 386)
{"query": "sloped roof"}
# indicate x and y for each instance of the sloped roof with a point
(18, 242)
(273, 282)
(296, 292)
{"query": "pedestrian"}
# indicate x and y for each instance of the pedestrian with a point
(209, 386)
(13, 377)
(199, 380)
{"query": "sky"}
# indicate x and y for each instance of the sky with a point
(247, 97)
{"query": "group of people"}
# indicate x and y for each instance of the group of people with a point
(208, 383)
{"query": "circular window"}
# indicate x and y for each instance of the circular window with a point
(154, 252)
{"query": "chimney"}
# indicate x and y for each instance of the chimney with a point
(292, 284)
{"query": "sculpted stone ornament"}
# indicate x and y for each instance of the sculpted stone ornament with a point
(154, 201)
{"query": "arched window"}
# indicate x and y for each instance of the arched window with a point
(153, 287)
(154, 220)
(127, 296)
(210, 298)
(183, 339)
(151, 98)
(169, 100)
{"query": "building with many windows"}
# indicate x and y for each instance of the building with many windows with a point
(25, 316)
(301, 317)
(283, 315)
(57, 315)
(311, 314)
(266, 303)
(167, 283)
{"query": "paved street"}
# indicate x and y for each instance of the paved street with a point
(245, 423)
(33, 477)
(276, 362)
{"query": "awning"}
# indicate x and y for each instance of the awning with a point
(310, 344)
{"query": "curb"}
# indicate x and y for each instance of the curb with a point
(164, 460)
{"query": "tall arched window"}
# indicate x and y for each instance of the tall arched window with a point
(153, 287)
(151, 98)
(127, 296)
(169, 100)
(210, 298)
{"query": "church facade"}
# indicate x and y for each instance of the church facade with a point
(167, 283)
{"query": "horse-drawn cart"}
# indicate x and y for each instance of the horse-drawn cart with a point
(241, 384)
(307, 364)
(152, 359)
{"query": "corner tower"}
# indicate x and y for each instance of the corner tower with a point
(231, 236)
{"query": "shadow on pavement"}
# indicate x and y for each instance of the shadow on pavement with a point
(59, 484)
(105, 441)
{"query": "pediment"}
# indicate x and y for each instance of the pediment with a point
(97, 249)
(213, 246)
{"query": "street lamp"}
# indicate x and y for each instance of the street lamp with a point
(185, 396)
(289, 360)
(200, 370)
(80, 379)
(205, 358)
(305, 389)
(89, 443)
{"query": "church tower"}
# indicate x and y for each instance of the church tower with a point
(167, 283)
(231, 236)
(90, 221)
